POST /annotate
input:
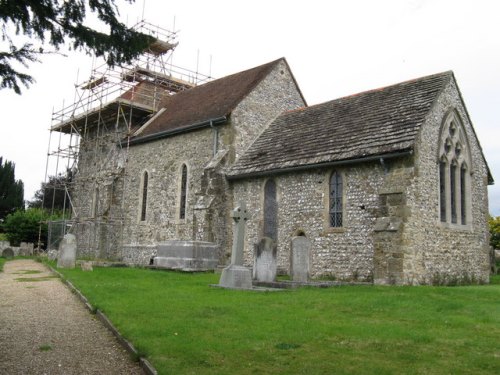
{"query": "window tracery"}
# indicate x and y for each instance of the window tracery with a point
(453, 159)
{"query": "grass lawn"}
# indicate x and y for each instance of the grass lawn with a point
(183, 326)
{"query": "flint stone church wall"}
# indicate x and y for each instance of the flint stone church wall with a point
(438, 252)
(342, 253)
(133, 240)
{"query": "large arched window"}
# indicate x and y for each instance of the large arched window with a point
(144, 200)
(336, 200)
(270, 210)
(183, 197)
(454, 158)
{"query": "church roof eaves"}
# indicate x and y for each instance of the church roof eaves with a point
(359, 127)
(212, 100)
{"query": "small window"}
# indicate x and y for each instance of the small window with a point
(182, 211)
(144, 196)
(336, 200)
(453, 192)
(270, 210)
(463, 203)
(442, 189)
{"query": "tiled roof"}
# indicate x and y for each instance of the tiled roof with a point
(202, 103)
(371, 123)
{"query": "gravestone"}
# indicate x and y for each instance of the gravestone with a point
(265, 265)
(67, 252)
(8, 253)
(52, 254)
(26, 249)
(236, 275)
(300, 258)
(86, 266)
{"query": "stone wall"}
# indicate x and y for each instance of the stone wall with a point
(207, 210)
(274, 95)
(98, 184)
(435, 251)
(342, 253)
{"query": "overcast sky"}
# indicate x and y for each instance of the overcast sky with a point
(334, 48)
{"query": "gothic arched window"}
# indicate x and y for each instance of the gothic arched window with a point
(270, 210)
(144, 200)
(336, 199)
(454, 157)
(183, 201)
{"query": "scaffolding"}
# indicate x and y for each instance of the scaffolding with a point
(108, 108)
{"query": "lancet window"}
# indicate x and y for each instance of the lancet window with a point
(454, 174)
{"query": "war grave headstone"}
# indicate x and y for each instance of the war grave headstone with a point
(265, 265)
(236, 275)
(300, 258)
(67, 252)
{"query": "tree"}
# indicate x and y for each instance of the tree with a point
(60, 22)
(494, 223)
(11, 191)
(53, 195)
(26, 225)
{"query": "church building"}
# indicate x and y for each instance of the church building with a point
(388, 185)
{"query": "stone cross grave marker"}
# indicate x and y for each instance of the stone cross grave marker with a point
(240, 217)
(236, 275)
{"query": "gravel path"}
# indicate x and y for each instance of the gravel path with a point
(45, 329)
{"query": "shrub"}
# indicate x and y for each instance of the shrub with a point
(24, 226)
(494, 223)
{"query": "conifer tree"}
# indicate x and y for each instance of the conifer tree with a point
(53, 23)
(11, 191)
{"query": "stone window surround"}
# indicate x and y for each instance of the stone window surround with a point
(448, 156)
(327, 227)
(140, 218)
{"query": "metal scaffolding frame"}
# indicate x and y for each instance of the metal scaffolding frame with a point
(110, 97)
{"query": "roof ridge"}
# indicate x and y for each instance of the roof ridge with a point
(382, 88)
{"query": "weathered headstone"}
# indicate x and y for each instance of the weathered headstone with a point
(26, 249)
(86, 266)
(52, 254)
(8, 253)
(265, 265)
(236, 275)
(67, 252)
(300, 258)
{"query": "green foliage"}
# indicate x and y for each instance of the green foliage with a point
(3, 237)
(494, 223)
(53, 195)
(11, 191)
(24, 226)
(55, 23)
(2, 262)
(184, 326)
